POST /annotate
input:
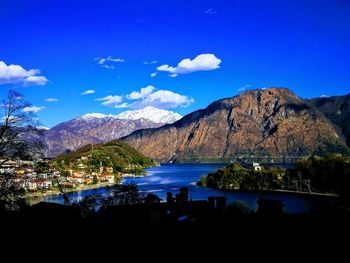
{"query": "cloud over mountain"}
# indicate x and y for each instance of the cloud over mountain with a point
(203, 62)
(110, 100)
(148, 96)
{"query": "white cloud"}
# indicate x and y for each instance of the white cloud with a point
(165, 99)
(111, 100)
(108, 66)
(106, 62)
(10, 74)
(174, 75)
(35, 80)
(100, 61)
(154, 74)
(325, 96)
(123, 105)
(51, 100)
(150, 62)
(147, 96)
(210, 11)
(89, 91)
(135, 95)
(203, 62)
(33, 109)
(245, 87)
(120, 60)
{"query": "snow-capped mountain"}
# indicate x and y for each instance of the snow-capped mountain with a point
(151, 113)
(42, 128)
(93, 116)
(98, 128)
(90, 128)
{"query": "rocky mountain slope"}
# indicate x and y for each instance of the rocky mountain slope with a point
(337, 110)
(273, 122)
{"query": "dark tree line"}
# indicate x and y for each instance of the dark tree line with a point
(329, 174)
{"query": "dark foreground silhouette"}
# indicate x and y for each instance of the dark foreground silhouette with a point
(177, 215)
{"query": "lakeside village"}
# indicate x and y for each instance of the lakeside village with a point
(46, 177)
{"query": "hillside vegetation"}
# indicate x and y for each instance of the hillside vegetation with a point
(117, 154)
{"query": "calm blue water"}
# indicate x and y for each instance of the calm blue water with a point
(170, 177)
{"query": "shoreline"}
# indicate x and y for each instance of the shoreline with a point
(274, 191)
(41, 194)
(57, 192)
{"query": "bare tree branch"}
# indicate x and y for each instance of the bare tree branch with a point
(15, 121)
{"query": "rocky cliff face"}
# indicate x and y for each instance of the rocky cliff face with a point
(73, 134)
(272, 122)
(337, 110)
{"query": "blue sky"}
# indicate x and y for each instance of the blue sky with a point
(101, 46)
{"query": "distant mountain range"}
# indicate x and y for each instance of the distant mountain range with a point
(97, 128)
(269, 122)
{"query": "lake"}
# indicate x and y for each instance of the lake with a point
(170, 177)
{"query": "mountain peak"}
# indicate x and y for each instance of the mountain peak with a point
(43, 128)
(151, 113)
(90, 116)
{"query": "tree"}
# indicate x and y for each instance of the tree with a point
(122, 195)
(16, 123)
(42, 167)
(94, 179)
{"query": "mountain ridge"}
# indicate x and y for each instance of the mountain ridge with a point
(273, 121)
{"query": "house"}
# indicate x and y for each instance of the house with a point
(47, 184)
(20, 171)
(109, 178)
(28, 169)
(81, 166)
(257, 166)
(75, 179)
(43, 183)
(30, 163)
(106, 177)
(56, 174)
(79, 174)
(30, 184)
(109, 169)
(43, 175)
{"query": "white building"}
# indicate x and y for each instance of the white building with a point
(30, 184)
(256, 166)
